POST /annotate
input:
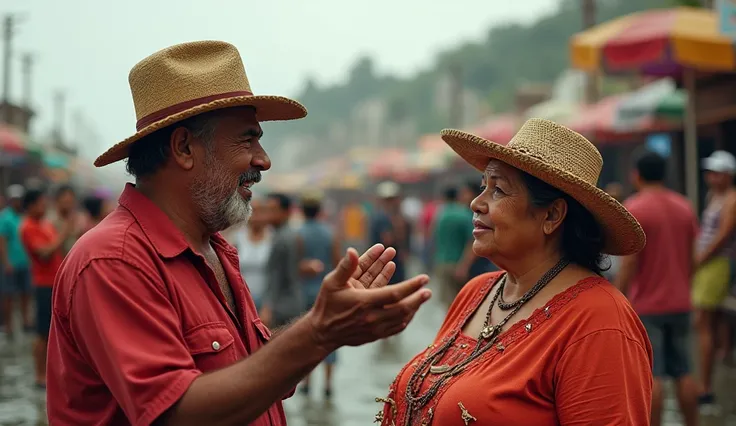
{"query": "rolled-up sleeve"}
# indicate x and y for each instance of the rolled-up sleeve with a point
(127, 329)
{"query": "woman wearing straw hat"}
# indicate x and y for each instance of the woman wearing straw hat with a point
(548, 340)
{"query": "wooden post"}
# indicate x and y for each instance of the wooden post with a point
(691, 141)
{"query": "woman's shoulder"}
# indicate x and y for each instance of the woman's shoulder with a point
(595, 305)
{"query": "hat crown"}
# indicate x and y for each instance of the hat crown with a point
(184, 73)
(560, 148)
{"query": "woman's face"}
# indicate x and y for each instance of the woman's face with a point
(507, 227)
(717, 180)
(259, 217)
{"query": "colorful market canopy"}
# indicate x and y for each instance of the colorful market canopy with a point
(660, 100)
(655, 42)
(11, 140)
(596, 121)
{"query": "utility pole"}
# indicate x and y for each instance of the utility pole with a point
(59, 100)
(589, 11)
(8, 27)
(27, 80)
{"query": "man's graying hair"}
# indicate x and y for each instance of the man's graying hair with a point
(150, 153)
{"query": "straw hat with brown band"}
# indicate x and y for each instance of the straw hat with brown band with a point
(188, 79)
(565, 160)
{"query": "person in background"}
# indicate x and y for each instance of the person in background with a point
(95, 208)
(615, 190)
(390, 228)
(16, 279)
(715, 251)
(253, 242)
(354, 224)
(319, 249)
(453, 238)
(657, 281)
(426, 226)
(283, 300)
(65, 210)
(44, 245)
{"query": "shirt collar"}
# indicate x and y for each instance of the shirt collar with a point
(166, 238)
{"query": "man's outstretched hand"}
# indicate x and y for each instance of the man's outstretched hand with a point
(375, 268)
(355, 306)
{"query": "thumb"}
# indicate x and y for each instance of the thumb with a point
(345, 268)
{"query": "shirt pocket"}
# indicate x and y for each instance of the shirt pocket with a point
(211, 346)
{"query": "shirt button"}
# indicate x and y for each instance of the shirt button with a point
(216, 345)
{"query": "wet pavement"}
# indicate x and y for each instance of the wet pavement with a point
(362, 374)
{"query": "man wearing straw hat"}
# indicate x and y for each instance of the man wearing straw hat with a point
(152, 321)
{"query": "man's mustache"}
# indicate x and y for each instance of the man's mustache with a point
(250, 176)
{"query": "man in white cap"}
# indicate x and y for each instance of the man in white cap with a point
(152, 322)
(16, 279)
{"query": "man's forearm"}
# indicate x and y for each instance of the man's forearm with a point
(239, 394)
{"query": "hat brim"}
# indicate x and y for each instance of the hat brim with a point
(622, 233)
(268, 108)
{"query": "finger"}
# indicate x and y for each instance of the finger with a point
(394, 293)
(368, 258)
(407, 307)
(374, 271)
(341, 274)
(385, 276)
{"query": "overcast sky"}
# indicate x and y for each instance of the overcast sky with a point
(87, 47)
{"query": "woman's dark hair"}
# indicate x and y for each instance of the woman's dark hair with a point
(582, 237)
(32, 196)
(93, 205)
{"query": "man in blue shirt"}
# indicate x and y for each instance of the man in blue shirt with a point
(16, 277)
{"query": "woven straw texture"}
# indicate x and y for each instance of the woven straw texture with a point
(186, 73)
(565, 160)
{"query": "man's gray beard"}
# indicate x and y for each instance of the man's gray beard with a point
(219, 208)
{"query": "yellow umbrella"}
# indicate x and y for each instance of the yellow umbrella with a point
(657, 42)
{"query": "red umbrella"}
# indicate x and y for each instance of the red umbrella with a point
(11, 140)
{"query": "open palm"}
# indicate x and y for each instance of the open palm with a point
(375, 268)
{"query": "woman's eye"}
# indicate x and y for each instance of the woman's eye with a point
(497, 190)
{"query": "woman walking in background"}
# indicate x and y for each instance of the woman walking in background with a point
(253, 242)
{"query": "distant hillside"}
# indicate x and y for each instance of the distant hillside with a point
(511, 54)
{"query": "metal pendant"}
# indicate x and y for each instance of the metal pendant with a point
(439, 369)
(488, 332)
(465, 414)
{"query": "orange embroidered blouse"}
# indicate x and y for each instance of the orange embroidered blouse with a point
(583, 359)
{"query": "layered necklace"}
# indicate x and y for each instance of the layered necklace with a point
(489, 334)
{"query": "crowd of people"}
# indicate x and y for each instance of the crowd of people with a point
(38, 227)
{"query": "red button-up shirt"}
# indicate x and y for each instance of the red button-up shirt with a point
(138, 316)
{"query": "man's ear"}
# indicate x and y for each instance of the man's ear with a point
(181, 144)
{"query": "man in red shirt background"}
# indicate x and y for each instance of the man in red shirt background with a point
(43, 245)
(657, 280)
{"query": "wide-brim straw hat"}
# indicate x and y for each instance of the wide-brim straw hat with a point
(564, 159)
(188, 79)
